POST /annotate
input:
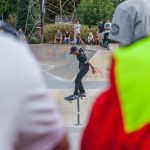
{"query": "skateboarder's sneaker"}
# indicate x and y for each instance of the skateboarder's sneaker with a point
(72, 97)
(82, 94)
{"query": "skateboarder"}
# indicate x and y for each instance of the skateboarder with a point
(83, 69)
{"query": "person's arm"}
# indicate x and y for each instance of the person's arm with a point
(85, 60)
(88, 39)
(92, 37)
(75, 29)
(63, 145)
(55, 39)
(82, 42)
(93, 69)
(105, 26)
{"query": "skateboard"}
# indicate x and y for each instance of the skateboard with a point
(69, 98)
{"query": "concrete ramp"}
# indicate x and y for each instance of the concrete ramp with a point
(56, 60)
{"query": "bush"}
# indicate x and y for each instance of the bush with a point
(12, 19)
(34, 40)
(51, 29)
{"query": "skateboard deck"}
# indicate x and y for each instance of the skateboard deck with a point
(69, 98)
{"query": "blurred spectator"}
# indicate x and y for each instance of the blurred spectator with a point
(120, 116)
(77, 28)
(101, 30)
(67, 37)
(29, 117)
(107, 25)
(90, 38)
(79, 40)
(130, 22)
(21, 35)
(58, 37)
(96, 38)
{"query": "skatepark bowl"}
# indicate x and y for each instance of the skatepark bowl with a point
(57, 61)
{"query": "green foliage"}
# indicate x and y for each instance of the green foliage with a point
(8, 7)
(90, 11)
(27, 14)
(22, 13)
(4, 5)
(33, 40)
(12, 19)
(51, 29)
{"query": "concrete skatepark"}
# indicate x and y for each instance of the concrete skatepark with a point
(60, 68)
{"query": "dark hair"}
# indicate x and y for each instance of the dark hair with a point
(77, 20)
(73, 49)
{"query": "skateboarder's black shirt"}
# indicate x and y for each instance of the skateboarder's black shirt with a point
(83, 60)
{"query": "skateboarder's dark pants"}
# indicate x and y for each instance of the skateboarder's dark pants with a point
(78, 81)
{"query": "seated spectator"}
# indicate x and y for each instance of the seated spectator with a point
(67, 37)
(96, 38)
(90, 38)
(79, 40)
(58, 37)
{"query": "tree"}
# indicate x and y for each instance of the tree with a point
(4, 5)
(7, 7)
(90, 11)
(22, 12)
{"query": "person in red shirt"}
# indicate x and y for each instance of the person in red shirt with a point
(120, 117)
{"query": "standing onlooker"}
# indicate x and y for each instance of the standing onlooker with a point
(107, 26)
(77, 28)
(67, 37)
(101, 26)
(90, 38)
(96, 38)
(21, 35)
(58, 37)
(131, 21)
(101, 30)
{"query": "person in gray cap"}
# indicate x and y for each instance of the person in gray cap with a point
(131, 21)
(83, 69)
